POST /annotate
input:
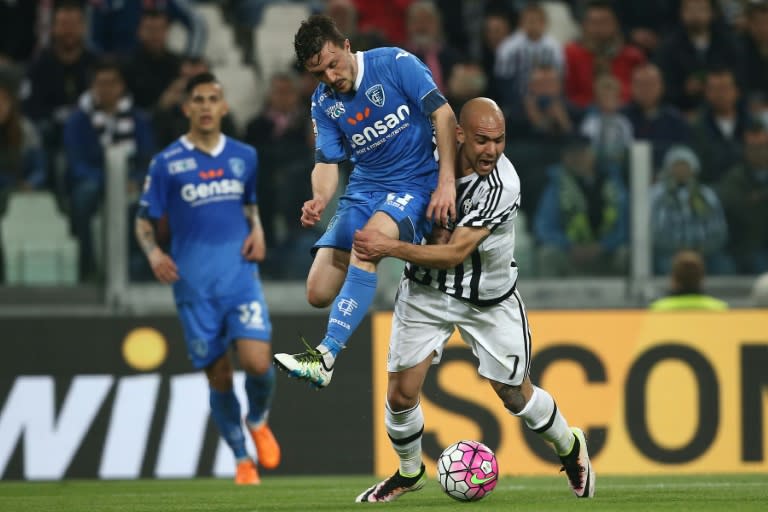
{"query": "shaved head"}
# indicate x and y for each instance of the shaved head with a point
(480, 110)
(481, 135)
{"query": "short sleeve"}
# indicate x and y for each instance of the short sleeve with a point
(154, 196)
(417, 82)
(329, 139)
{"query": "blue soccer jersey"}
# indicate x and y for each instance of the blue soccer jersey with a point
(203, 195)
(383, 125)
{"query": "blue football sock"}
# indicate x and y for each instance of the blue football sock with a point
(259, 389)
(225, 410)
(349, 308)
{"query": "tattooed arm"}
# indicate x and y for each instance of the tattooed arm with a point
(254, 247)
(162, 265)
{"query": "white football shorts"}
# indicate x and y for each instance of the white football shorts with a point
(424, 319)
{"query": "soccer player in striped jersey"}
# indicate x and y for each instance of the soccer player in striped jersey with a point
(472, 262)
(206, 184)
(378, 108)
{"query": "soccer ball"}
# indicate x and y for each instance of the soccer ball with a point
(467, 470)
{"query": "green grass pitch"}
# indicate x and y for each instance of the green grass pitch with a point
(337, 493)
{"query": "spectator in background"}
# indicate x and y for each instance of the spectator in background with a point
(386, 18)
(113, 24)
(22, 159)
(467, 81)
(685, 287)
(55, 80)
(18, 29)
(697, 46)
(744, 193)
(22, 164)
(601, 50)
(344, 13)
(519, 53)
(152, 66)
(717, 131)
(537, 127)
(581, 222)
(686, 215)
(425, 40)
(609, 130)
(105, 118)
(497, 26)
(658, 123)
(755, 42)
(168, 119)
(644, 23)
(281, 134)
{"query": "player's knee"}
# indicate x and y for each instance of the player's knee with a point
(399, 400)
(257, 367)
(221, 380)
(318, 299)
(220, 374)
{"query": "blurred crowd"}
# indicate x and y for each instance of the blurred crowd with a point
(688, 76)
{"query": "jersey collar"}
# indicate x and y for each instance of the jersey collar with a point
(216, 151)
(360, 69)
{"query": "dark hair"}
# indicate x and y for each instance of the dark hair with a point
(600, 4)
(688, 271)
(201, 78)
(11, 133)
(313, 34)
(68, 5)
(106, 64)
(154, 13)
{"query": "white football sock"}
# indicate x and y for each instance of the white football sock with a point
(543, 417)
(405, 429)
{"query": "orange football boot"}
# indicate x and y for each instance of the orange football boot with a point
(246, 473)
(267, 449)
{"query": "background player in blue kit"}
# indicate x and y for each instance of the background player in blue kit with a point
(206, 183)
(379, 109)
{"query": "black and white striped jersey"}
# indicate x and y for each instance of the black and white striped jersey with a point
(489, 274)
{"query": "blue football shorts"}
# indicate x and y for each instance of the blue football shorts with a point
(211, 325)
(407, 209)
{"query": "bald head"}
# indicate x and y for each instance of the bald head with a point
(480, 110)
(481, 133)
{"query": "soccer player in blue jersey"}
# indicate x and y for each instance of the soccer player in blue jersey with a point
(382, 110)
(205, 182)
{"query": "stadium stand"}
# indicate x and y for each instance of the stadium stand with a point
(273, 38)
(38, 247)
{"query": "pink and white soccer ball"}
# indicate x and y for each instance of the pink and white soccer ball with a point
(467, 470)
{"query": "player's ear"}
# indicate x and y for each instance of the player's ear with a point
(226, 107)
(459, 134)
(185, 107)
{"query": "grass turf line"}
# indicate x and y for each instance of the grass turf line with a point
(699, 493)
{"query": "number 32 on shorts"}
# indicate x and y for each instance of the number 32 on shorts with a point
(251, 315)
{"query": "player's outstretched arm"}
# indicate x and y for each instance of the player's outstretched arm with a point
(162, 265)
(254, 246)
(371, 245)
(442, 206)
(325, 180)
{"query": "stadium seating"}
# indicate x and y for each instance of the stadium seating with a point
(243, 92)
(273, 38)
(38, 247)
